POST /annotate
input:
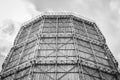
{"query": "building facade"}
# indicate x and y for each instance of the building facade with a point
(60, 46)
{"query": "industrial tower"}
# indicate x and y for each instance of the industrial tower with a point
(60, 46)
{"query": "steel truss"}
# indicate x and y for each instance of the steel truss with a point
(60, 47)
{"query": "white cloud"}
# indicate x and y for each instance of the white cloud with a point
(12, 14)
(114, 5)
(15, 10)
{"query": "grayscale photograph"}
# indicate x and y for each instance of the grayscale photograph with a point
(59, 39)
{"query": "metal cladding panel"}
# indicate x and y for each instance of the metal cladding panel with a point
(59, 47)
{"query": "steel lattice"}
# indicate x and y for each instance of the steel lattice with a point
(59, 47)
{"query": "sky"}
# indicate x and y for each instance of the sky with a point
(106, 14)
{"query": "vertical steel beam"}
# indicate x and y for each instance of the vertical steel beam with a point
(94, 56)
(21, 54)
(25, 43)
(78, 59)
(7, 59)
(39, 37)
(56, 49)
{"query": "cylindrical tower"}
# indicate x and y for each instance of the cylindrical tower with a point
(60, 46)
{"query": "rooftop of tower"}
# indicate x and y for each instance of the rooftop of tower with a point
(75, 15)
(72, 15)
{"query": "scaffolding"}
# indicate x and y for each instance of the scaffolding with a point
(60, 46)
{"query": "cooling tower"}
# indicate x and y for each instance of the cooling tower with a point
(60, 46)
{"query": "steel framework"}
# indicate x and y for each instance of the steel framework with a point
(60, 46)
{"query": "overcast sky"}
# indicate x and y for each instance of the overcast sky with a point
(106, 14)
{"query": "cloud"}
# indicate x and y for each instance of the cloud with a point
(13, 14)
(8, 31)
(115, 5)
(9, 27)
(31, 9)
